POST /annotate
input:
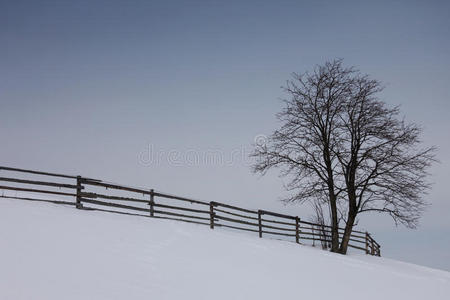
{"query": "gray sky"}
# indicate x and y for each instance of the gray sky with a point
(151, 93)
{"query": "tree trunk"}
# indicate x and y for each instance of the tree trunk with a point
(332, 197)
(347, 232)
(352, 213)
(334, 224)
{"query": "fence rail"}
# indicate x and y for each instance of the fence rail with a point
(94, 194)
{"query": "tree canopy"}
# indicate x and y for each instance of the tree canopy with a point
(344, 149)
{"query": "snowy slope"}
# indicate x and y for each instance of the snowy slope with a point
(56, 252)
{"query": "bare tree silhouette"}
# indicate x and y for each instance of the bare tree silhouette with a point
(342, 147)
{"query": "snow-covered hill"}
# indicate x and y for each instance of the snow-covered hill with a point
(56, 252)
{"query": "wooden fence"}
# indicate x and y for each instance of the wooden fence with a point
(93, 194)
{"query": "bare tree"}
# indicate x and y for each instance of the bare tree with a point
(341, 146)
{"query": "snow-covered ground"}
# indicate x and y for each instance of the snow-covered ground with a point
(50, 251)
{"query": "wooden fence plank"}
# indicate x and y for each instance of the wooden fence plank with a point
(180, 198)
(235, 220)
(266, 212)
(46, 183)
(236, 227)
(112, 204)
(235, 207)
(278, 222)
(200, 211)
(278, 233)
(103, 196)
(2, 187)
(278, 228)
(356, 247)
(38, 200)
(162, 212)
(234, 214)
(36, 172)
(114, 186)
(142, 215)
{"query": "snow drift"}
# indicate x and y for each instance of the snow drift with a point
(56, 252)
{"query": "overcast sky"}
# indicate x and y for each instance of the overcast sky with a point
(151, 93)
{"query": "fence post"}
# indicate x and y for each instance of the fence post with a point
(372, 246)
(260, 223)
(313, 235)
(367, 242)
(211, 215)
(152, 203)
(297, 231)
(78, 203)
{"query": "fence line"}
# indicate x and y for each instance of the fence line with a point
(94, 194)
